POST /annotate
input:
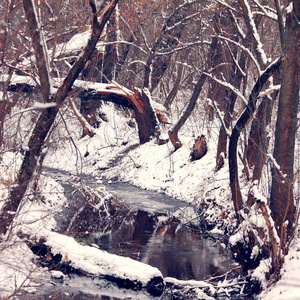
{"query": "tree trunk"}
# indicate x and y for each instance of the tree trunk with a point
(258, 142)
(145, 118)
(281, 203)
(236, 77)
(173, 133)
(102, 68)
(167, 40)
(223, 136)
(175, 88)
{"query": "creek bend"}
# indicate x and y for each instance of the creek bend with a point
(148, 227)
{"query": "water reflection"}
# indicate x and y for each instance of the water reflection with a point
(84, 288)
(177, 251)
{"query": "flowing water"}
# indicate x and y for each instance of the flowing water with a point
(154, 229)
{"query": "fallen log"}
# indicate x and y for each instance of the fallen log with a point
(63, 253)
(148, 113)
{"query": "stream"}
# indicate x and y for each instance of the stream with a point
(149, 227)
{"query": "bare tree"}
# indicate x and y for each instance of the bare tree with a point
(282, 200)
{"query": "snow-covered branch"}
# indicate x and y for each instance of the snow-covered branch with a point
(169, 28)
(228, 133)
(271, 89)
(228, 85)
(238, 27)
(267, 11)
(235, 61)
(244, 49)
(249, 20)
(88, 129)
(183, 47)
(226, 5)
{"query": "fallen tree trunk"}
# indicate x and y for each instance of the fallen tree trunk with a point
(63, 253)
(146, 111)
(137, 100)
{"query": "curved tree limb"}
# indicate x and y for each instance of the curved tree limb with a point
(173, 133)
(239, 126)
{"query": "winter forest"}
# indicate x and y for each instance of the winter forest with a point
(193, 101)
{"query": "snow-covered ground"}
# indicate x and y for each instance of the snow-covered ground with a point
(148, 166)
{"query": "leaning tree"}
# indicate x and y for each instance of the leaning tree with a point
(52, 100)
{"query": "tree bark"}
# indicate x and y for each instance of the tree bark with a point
(281, 202)
(47, 117)
(137, 100)
(39, 51)
(145, 118)
(175, 88)
(236, 77)
(102, 68)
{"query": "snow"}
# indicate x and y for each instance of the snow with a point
(257, 195)
(273, 160)
(259, 46)
(18, 79)
(99, 262)
(16, 266)
(201, 284)
(289, 8)
(39, 105)
(288, 286)
(76, 43)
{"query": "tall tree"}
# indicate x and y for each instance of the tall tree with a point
(282, 201)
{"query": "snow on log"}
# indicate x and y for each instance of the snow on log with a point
(63, 252)
(112, 92)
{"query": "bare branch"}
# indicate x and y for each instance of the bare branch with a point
(228, 85)
(88, 129)
(267, 11)
(244, 49)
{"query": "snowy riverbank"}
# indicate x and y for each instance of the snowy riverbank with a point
(112, 154)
